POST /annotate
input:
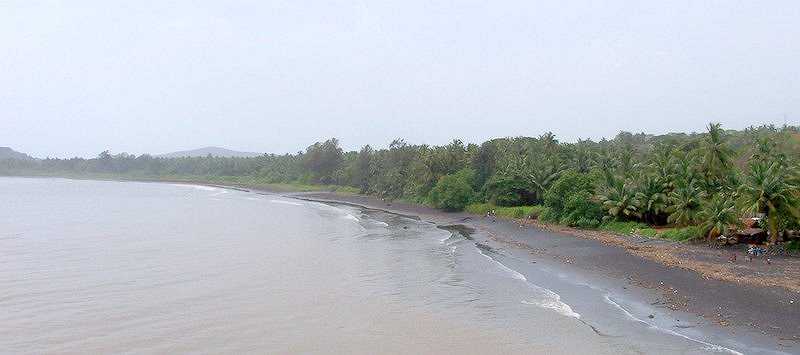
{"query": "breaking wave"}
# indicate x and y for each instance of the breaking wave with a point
(547, 298)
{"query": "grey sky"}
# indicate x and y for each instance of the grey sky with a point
(78, 77)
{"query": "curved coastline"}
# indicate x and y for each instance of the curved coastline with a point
(642, 280)
(768, 331)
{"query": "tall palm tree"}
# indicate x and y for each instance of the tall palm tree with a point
(717, 158)
(662, 164)
(684, 203)
(718, 215)
(767, 190)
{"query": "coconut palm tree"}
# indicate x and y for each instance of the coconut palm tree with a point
(683, 166)
(717, 158)
(684, 202)
(652, 200)
(620, 201)
(767, 190)
(717, 216)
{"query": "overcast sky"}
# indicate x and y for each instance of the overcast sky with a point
(78, 77)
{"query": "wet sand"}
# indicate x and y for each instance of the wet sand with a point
(766, 314)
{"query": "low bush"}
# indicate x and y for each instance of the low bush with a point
(580, 210)
(509, 191)
(587, 223)
(549, 215)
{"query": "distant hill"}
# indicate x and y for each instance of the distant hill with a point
(8, 153)
(213, 151)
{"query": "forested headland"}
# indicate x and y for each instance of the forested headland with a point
(701, 184)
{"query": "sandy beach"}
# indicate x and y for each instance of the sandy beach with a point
(754, 302)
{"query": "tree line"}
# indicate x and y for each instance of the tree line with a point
(709, 180)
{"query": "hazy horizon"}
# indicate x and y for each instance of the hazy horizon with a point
(348, 147)
(151, 77)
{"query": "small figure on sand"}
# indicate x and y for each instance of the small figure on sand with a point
(755, 250)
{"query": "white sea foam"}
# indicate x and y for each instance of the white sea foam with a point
(198, 187)
(708, 346)
(549, 299)
(351, 217)
(286, 202)
(383, 224)
(554, 303)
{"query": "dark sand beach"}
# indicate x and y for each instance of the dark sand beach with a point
(739, 300)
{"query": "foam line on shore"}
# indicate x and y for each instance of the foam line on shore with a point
(551, 300)
(708, 346)
(286, 202)
(198, 187)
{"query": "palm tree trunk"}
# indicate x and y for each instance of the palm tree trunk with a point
(773, 227)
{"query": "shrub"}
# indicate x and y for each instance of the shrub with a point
(581, 207)
(587, 223)
(509, 191)
(570, 200)
(534, 211)
(453, 192)
(548, 215)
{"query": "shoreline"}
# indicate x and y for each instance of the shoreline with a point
(734, 309)
(731, 309)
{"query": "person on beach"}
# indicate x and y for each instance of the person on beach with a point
(494, 216)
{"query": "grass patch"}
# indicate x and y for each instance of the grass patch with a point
(647, 232)
(681, 234)
(505, 212)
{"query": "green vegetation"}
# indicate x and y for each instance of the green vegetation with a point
(700, 184)
(570, 201)
(453, 192)
(793, 246)
(682, 234)
(505, 212)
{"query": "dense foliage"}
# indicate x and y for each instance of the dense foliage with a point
(707, 180)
